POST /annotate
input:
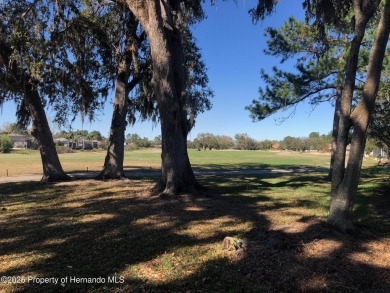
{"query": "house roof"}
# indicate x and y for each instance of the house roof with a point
(19, 138)
(61, 139)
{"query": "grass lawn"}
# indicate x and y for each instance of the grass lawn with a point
(117, 231)
(24, 162)
(231, 159)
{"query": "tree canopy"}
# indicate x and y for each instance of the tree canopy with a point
(319, 72)
(380, 123)
(63, 47)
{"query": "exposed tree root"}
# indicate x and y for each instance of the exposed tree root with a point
(56, 178)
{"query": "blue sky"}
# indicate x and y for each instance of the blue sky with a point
(232, 48)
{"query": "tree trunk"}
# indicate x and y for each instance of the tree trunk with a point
(161, 28)
(177, 175)
(336, 121)
(344, 186)
(52, 169)
(346, 100)
(113, 163)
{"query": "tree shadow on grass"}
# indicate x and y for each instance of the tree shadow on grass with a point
(92, 235)
(313, 259)
(249, 165)
(82, 230)
(258, 183)
(382, 203)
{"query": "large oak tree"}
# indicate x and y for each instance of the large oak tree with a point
(134, 74)
(129, 74)
(52, 53)
(162, 22)
(22, 55)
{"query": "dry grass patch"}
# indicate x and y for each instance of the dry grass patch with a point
(91, 229)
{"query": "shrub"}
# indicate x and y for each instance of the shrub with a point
(131, 147)
(6, 144)
(64, 150)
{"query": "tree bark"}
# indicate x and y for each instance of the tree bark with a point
(168, 81)
(52, 169)
(336, 121)
(346, 100)
(113, 163)
(345, 180)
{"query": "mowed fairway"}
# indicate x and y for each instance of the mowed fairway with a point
(25, 162)
(232, 159)
(113, 236)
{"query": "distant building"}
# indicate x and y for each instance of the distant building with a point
(79, 144)
(20, 141)
(378, 153)
(96, 144)
(65, 142)
(88, 144)
(61, 141)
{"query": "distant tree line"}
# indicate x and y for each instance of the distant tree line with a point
(242, 141)
(13, 128)
(77, 134)
(206, 141)
(134, 141)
